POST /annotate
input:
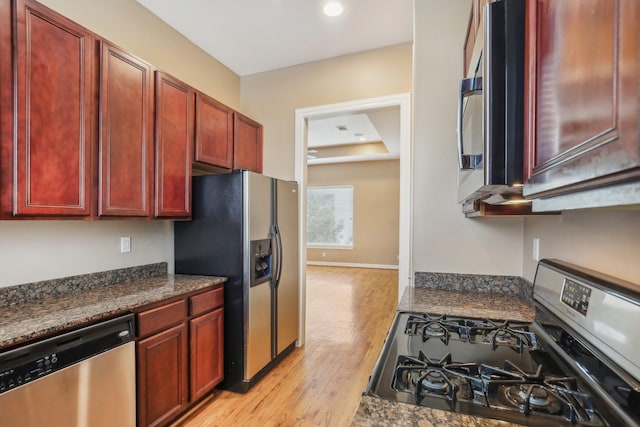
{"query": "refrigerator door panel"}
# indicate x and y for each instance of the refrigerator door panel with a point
(258, 202)
(287, 290)
(257, 226)
(258, 330)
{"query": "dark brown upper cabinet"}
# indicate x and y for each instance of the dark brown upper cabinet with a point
(583, 110)
(46, 163)
(247, 144)
(125, 151)
(473, 27)
(214, 133)
(175, 124)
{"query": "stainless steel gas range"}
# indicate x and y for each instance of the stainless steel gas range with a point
(577, 364)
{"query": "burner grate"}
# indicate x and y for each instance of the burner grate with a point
(509, 388)
(481, 331)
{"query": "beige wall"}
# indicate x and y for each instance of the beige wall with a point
(443, 239)
(39, 250)
(31, 251)
(272, 97)
(376, 203)
(603, 240)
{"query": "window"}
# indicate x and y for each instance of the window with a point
(330, 217)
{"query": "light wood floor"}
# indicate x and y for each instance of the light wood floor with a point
(349, 311)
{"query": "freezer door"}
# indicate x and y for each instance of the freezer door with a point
(259, 330)
(257, 301)
(287, 288)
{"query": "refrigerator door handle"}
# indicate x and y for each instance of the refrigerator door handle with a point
(277, 255)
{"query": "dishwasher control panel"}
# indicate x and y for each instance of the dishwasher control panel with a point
(32, 361)
(24, 373)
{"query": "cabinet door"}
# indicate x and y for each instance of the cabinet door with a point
(125, 134)
(54, 95)
(583, 118)
(162, 376)
(6, 111)
(247, 144)
(207, 352)
(214, 132)
(469, 42)
(174, 145)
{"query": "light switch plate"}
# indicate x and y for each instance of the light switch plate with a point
(535, 254)
(125, 244)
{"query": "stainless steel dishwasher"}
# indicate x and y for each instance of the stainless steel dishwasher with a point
(83, 378)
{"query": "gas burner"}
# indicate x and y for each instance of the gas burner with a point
(515, 336)
(435, 330)
(533, 397)
(434, 381)
(416, 322)
(503, 337)
(424, 377)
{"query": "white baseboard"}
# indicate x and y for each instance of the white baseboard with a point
(355, 265)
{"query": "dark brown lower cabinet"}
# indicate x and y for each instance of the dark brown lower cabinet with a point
(162, 376)
(179, 355)
(206, 341)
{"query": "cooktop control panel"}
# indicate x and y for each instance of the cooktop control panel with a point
(576, 296)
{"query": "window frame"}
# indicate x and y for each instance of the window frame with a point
(328, 245)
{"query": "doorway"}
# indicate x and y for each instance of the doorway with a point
(302, 117)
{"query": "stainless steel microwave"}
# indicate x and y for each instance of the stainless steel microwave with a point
(491, 109)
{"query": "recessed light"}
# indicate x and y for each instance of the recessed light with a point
(333, 8)
(362, 138)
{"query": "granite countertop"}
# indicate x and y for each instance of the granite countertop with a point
(48, 315)
(470, 304)
(377, 412)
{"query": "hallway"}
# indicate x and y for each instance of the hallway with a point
(349, 311)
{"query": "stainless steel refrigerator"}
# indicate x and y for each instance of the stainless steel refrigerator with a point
(245, 227)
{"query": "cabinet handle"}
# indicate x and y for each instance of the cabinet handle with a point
(468, 87)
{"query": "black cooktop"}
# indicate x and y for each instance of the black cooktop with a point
(489, 368)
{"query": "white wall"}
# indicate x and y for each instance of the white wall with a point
(443, 239)
(31, 251)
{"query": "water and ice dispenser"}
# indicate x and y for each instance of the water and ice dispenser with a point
(261, 261)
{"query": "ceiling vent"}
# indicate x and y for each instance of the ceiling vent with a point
(342, 128)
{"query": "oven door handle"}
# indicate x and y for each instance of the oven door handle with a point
(468, 87)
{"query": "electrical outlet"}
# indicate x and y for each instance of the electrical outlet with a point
(324, 254)
(535, 253)
(125, 244)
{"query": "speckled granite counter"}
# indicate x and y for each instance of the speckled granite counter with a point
(375, 412)
(461, 303)
(69, 307)
(458, 295)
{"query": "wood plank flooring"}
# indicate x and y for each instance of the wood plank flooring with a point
(349, 311)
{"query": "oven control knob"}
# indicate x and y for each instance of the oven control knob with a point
(54, 359)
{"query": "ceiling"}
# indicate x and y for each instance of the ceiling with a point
(361, 135)
(252, 36)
